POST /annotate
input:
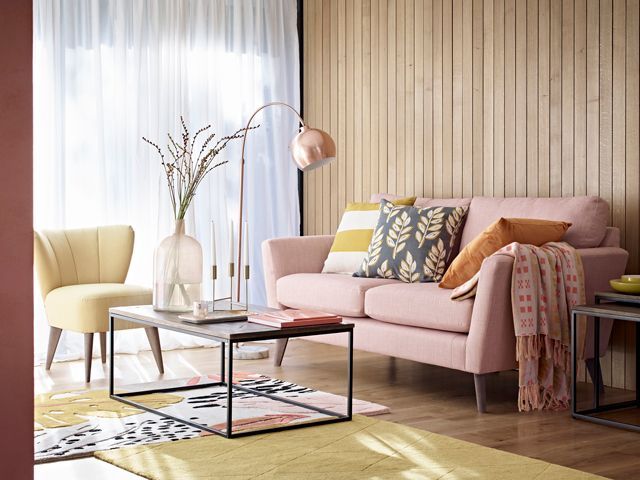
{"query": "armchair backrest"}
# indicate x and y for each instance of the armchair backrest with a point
(84, 255)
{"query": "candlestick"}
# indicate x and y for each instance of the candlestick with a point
(214, 266)
(231, 265)
(246, 252)
(245, 229)
(231, 250)
(232, 273)
(213, 243)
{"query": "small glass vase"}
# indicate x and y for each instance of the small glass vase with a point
(177, 274)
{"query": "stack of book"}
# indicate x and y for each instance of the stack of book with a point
(294, 318)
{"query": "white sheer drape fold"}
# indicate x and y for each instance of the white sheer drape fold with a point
(108, 72)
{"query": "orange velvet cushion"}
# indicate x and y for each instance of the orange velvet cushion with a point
(500, 233)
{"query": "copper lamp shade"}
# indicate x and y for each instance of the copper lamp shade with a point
(312, 148)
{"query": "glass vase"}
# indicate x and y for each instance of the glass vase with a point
(177, 274)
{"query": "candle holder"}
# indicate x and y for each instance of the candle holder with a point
(214, 277)
(232, 273)
(247, 275)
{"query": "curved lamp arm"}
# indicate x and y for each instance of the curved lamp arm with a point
(311, 148)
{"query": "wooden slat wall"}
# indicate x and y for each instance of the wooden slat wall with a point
(451, 98)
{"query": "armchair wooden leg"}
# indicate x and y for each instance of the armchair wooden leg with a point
(480, 381)
(281, 346)
(103, 347)
(54, 338)
(154, 341)
(88, 354)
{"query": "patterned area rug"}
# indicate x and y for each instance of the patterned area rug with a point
(365, 448)
(75, 424)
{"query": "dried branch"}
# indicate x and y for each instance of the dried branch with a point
(185, 171)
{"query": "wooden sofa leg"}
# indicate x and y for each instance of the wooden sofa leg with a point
(54, 338)
(480, 382)
(281, 346)
(154, 341)
(103, 347)
(88, 354)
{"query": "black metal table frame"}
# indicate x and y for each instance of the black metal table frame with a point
(226, 349)
(597, 378)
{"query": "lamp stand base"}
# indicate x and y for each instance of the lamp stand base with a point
(250, 352)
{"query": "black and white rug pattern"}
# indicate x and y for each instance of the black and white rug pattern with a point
(205, 406)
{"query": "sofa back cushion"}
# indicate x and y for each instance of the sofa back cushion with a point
(588, 216)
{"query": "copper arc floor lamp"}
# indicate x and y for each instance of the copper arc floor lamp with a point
(311, 148)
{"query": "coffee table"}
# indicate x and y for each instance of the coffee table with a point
(227, 334)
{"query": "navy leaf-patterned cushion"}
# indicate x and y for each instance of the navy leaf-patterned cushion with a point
(413, 244)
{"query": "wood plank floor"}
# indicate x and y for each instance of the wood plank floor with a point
(426, 397)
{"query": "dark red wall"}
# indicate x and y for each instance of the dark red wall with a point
(16, 241)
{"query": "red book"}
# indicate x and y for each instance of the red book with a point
(297, 315)
(272, 321)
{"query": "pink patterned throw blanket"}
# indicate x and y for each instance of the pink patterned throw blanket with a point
(546, 283)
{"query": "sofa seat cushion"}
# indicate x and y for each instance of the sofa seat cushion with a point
(419, 305)
(328, 292)
(85, 308)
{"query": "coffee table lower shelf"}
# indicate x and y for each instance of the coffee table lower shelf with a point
(226, 356)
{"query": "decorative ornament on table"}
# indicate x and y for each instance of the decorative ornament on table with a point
(177, 276)
(629, 284)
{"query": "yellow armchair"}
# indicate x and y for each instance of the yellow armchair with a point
(81, 274)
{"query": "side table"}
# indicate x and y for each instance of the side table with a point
(615, 306)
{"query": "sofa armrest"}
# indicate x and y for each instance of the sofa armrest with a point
(491, 344)
(285, 256)
(491, 340)
(611, 237)
(600, 265)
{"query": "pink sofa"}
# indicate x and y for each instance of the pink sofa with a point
(418, 321)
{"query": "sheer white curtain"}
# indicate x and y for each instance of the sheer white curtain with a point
(108, 72)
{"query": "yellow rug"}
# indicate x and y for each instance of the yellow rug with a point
(362, 449)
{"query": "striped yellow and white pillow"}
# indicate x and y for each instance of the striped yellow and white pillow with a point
(354, 235)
